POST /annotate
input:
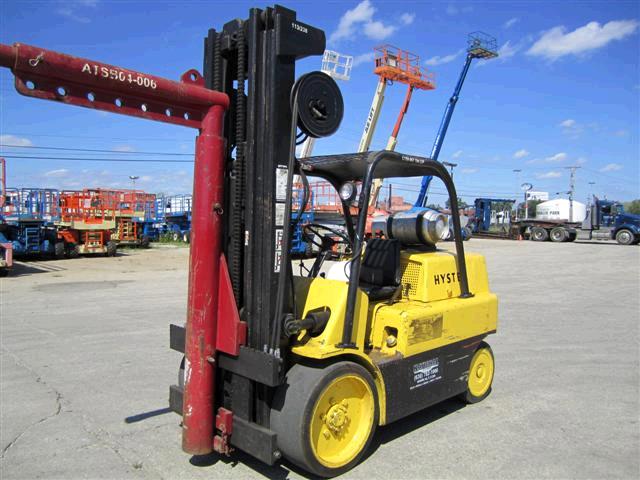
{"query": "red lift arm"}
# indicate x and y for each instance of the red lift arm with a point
(50, 75)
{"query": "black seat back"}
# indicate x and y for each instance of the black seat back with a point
(381, 263)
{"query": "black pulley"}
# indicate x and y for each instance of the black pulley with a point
(320, 104)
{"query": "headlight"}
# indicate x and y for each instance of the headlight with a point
(347, 192)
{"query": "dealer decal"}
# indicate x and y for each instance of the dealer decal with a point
(425, 373)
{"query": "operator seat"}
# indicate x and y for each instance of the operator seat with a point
(380, 269)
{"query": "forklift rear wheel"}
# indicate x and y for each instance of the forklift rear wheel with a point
(480, 375)
(144, 243)
(625, 237)
(559, 234)
(325, 417)
(539, 234)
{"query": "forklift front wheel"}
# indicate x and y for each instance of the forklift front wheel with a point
(480, 375)
(325, 417)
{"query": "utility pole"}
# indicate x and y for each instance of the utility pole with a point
(572, 186)
(518, 171)
(451, 167)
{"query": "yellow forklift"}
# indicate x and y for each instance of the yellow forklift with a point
(306, 367)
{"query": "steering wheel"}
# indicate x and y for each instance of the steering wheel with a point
(311, 231)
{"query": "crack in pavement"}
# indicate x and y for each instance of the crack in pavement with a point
(39, 380)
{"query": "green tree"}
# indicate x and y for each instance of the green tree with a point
(461, 204)
(632, 207)
(532, 208)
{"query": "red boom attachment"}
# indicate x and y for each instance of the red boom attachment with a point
(50, 75)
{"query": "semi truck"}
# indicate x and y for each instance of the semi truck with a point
(605, 220)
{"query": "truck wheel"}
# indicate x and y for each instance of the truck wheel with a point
(74, 251)
(559, 234)
(325, 417)
(480, 375)
(625, 237)
(572, 237)
(112, 248)
(58, 250)
(144, 243)
(467, 233)
(539, 234)
(175, 236)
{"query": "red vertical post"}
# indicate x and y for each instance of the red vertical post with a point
(206, 238)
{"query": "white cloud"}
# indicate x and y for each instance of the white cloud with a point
(457, 154)
(558, 157)
(123, 148)
(568, 123)
(61, 172)
(511, 22)
(362, 13)
(378, 30)
(507, 50)
(407, 18)
(621, 133)
(551, 174)
(468, 170)
(438, 60)
(556, 43)
(520, 153)
(453, 9)
(72, 15)
(363, 58)
(581, 161)
(13, 141)
(611, 167)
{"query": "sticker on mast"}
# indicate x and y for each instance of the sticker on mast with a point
(278, 250)
(119, 75)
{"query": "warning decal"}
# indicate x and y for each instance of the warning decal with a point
(282, 174)
(278, 250)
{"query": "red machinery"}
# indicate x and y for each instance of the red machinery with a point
(135, 211)
(49, 75)
(87, 218)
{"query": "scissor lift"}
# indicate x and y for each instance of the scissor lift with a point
(30, 214)
(173, 216)
(87, 218)
(135, 214)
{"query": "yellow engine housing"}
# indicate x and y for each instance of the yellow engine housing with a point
(426, 315)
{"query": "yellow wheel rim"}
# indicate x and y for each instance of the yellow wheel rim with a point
(480, 372)
(342, 421)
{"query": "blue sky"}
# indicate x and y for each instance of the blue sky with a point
(565, 90)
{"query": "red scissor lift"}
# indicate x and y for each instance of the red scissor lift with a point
(87, 219)
(135, 214)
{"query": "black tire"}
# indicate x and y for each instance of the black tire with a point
(625, 237)
(186, 237)
(539, 234)
(559, 234)
(293, 409)
(112, 248)
(175, 236)
(572, 237)
(144, 243)
(468, 233)
(4, 271)
(469, 396)
(74, 251)
(58, 250)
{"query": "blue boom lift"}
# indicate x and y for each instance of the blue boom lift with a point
(479, 45)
